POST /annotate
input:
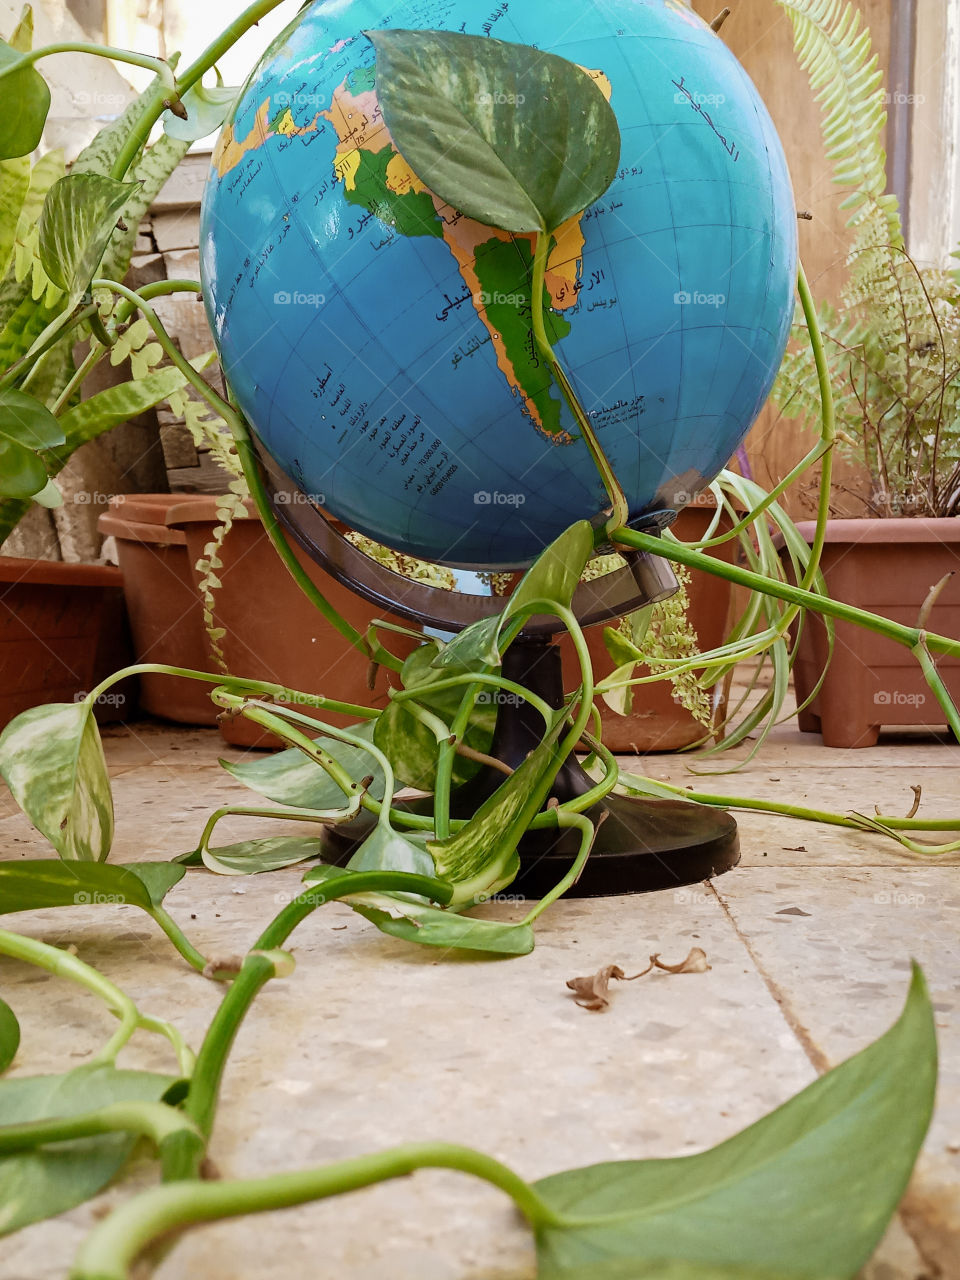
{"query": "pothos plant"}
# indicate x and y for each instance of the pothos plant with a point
(837, 1156)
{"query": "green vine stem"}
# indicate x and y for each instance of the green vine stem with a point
(111, 1249)
(682, 554)
(195, 72)
(153, 1120)
(182, 1157)
(157, 65)
(251, 471)
(620, 510)
(64, 965)
(883, 824)
(240, 685)
(588, 831)
(246, 811)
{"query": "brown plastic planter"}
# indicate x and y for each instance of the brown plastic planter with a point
(166, 617)
(62, 628)
(657, 722)
(888, 567)
(272, 631)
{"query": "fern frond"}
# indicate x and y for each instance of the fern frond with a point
(833, 47)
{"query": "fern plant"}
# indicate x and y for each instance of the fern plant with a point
(893, 343)
(37, 315)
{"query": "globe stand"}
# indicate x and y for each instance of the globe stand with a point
(644, 844)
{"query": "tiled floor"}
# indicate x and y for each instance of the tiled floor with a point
(372, 1042)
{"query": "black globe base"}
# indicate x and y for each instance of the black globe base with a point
(642, 845)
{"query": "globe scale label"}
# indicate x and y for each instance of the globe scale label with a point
(380, 342)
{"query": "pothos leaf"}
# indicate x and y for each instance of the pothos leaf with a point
(552, 576)
(481, 858)
(206, 107)
(9, 1035)
(52, 760)
(28, 422)
(289, 777)
(416, 921)
(26, 101)
(803, 1194)
(22, 474)
(386, 850)
(28, 885)
(79, 216)
(512, 136)
(250, 857)
(410, 745)
(41, 1183)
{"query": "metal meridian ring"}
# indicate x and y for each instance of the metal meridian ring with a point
(645, 579)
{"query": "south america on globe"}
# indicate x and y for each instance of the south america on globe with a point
(380, 343)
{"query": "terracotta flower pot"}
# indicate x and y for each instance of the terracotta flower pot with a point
(657, 722)
(166, 616)
(62, 629)
(272, 631)
(888, 567)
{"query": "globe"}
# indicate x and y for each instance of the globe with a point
(379, 342)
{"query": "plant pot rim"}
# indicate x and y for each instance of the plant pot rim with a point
(897, 529)
(15, 570)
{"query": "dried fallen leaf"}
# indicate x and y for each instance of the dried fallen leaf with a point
(593, 992)
(695, 962)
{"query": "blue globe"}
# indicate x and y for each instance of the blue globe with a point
(379, 342)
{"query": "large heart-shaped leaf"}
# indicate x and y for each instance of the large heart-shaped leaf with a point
(805, 1193)
(28, 422)
(51, 758)
(291, 778)
(554, 575)
(26, 98)
(45, 882)
(79, 216)
(22, 474)
(512, 136)
(41, 1183)
(386, 850)
(9, 1035)
(410, 745)
(206, 108)
(557, 570)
